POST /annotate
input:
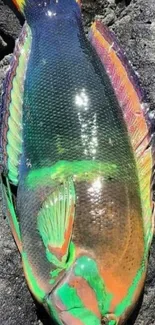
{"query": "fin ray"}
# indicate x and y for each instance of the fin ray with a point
(55, 221)
(11, 214)
(135, 113)
(12, 102)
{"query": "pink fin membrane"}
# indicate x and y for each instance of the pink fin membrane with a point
(136, 116)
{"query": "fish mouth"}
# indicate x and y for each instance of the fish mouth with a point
(74, 301)
(79, 296)
(76, 313)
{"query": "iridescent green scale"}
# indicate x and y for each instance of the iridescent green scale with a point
(77, 166)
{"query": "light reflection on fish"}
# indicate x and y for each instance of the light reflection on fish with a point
(77, 164)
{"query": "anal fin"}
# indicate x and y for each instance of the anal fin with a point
(11, 214)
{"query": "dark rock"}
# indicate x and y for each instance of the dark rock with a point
(10, 26)
(134, 24)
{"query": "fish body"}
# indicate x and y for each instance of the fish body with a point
(76, 149)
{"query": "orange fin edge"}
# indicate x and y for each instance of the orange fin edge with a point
(130, 98)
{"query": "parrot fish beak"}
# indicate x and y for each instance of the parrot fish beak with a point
(75, 300)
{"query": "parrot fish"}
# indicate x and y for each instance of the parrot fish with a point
(76, 161)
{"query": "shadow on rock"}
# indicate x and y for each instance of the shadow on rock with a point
(43, 315)
(135, 313)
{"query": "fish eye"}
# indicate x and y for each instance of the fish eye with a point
(104, 320)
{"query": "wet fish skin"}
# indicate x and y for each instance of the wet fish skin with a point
(76, 149)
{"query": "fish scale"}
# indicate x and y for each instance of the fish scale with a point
(77, 180)
(62, 124)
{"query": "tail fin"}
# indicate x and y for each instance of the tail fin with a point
(35, 7)
(20, 4)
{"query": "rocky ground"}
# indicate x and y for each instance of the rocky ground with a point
(134, 24)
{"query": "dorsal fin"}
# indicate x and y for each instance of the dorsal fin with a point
(12, 102)
(55, 222)
(129, 97)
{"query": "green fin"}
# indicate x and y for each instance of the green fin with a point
(55, 222)
(13, 105)
(11, 214)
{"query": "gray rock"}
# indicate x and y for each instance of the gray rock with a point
(3, 44)
(134, 25)
(10, 19)
(9, 27)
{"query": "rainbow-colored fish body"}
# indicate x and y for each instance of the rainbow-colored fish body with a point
(77, 166)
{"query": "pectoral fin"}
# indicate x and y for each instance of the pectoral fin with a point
(55, 223)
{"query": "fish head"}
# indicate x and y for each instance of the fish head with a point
(79, 297)
(77, 315)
